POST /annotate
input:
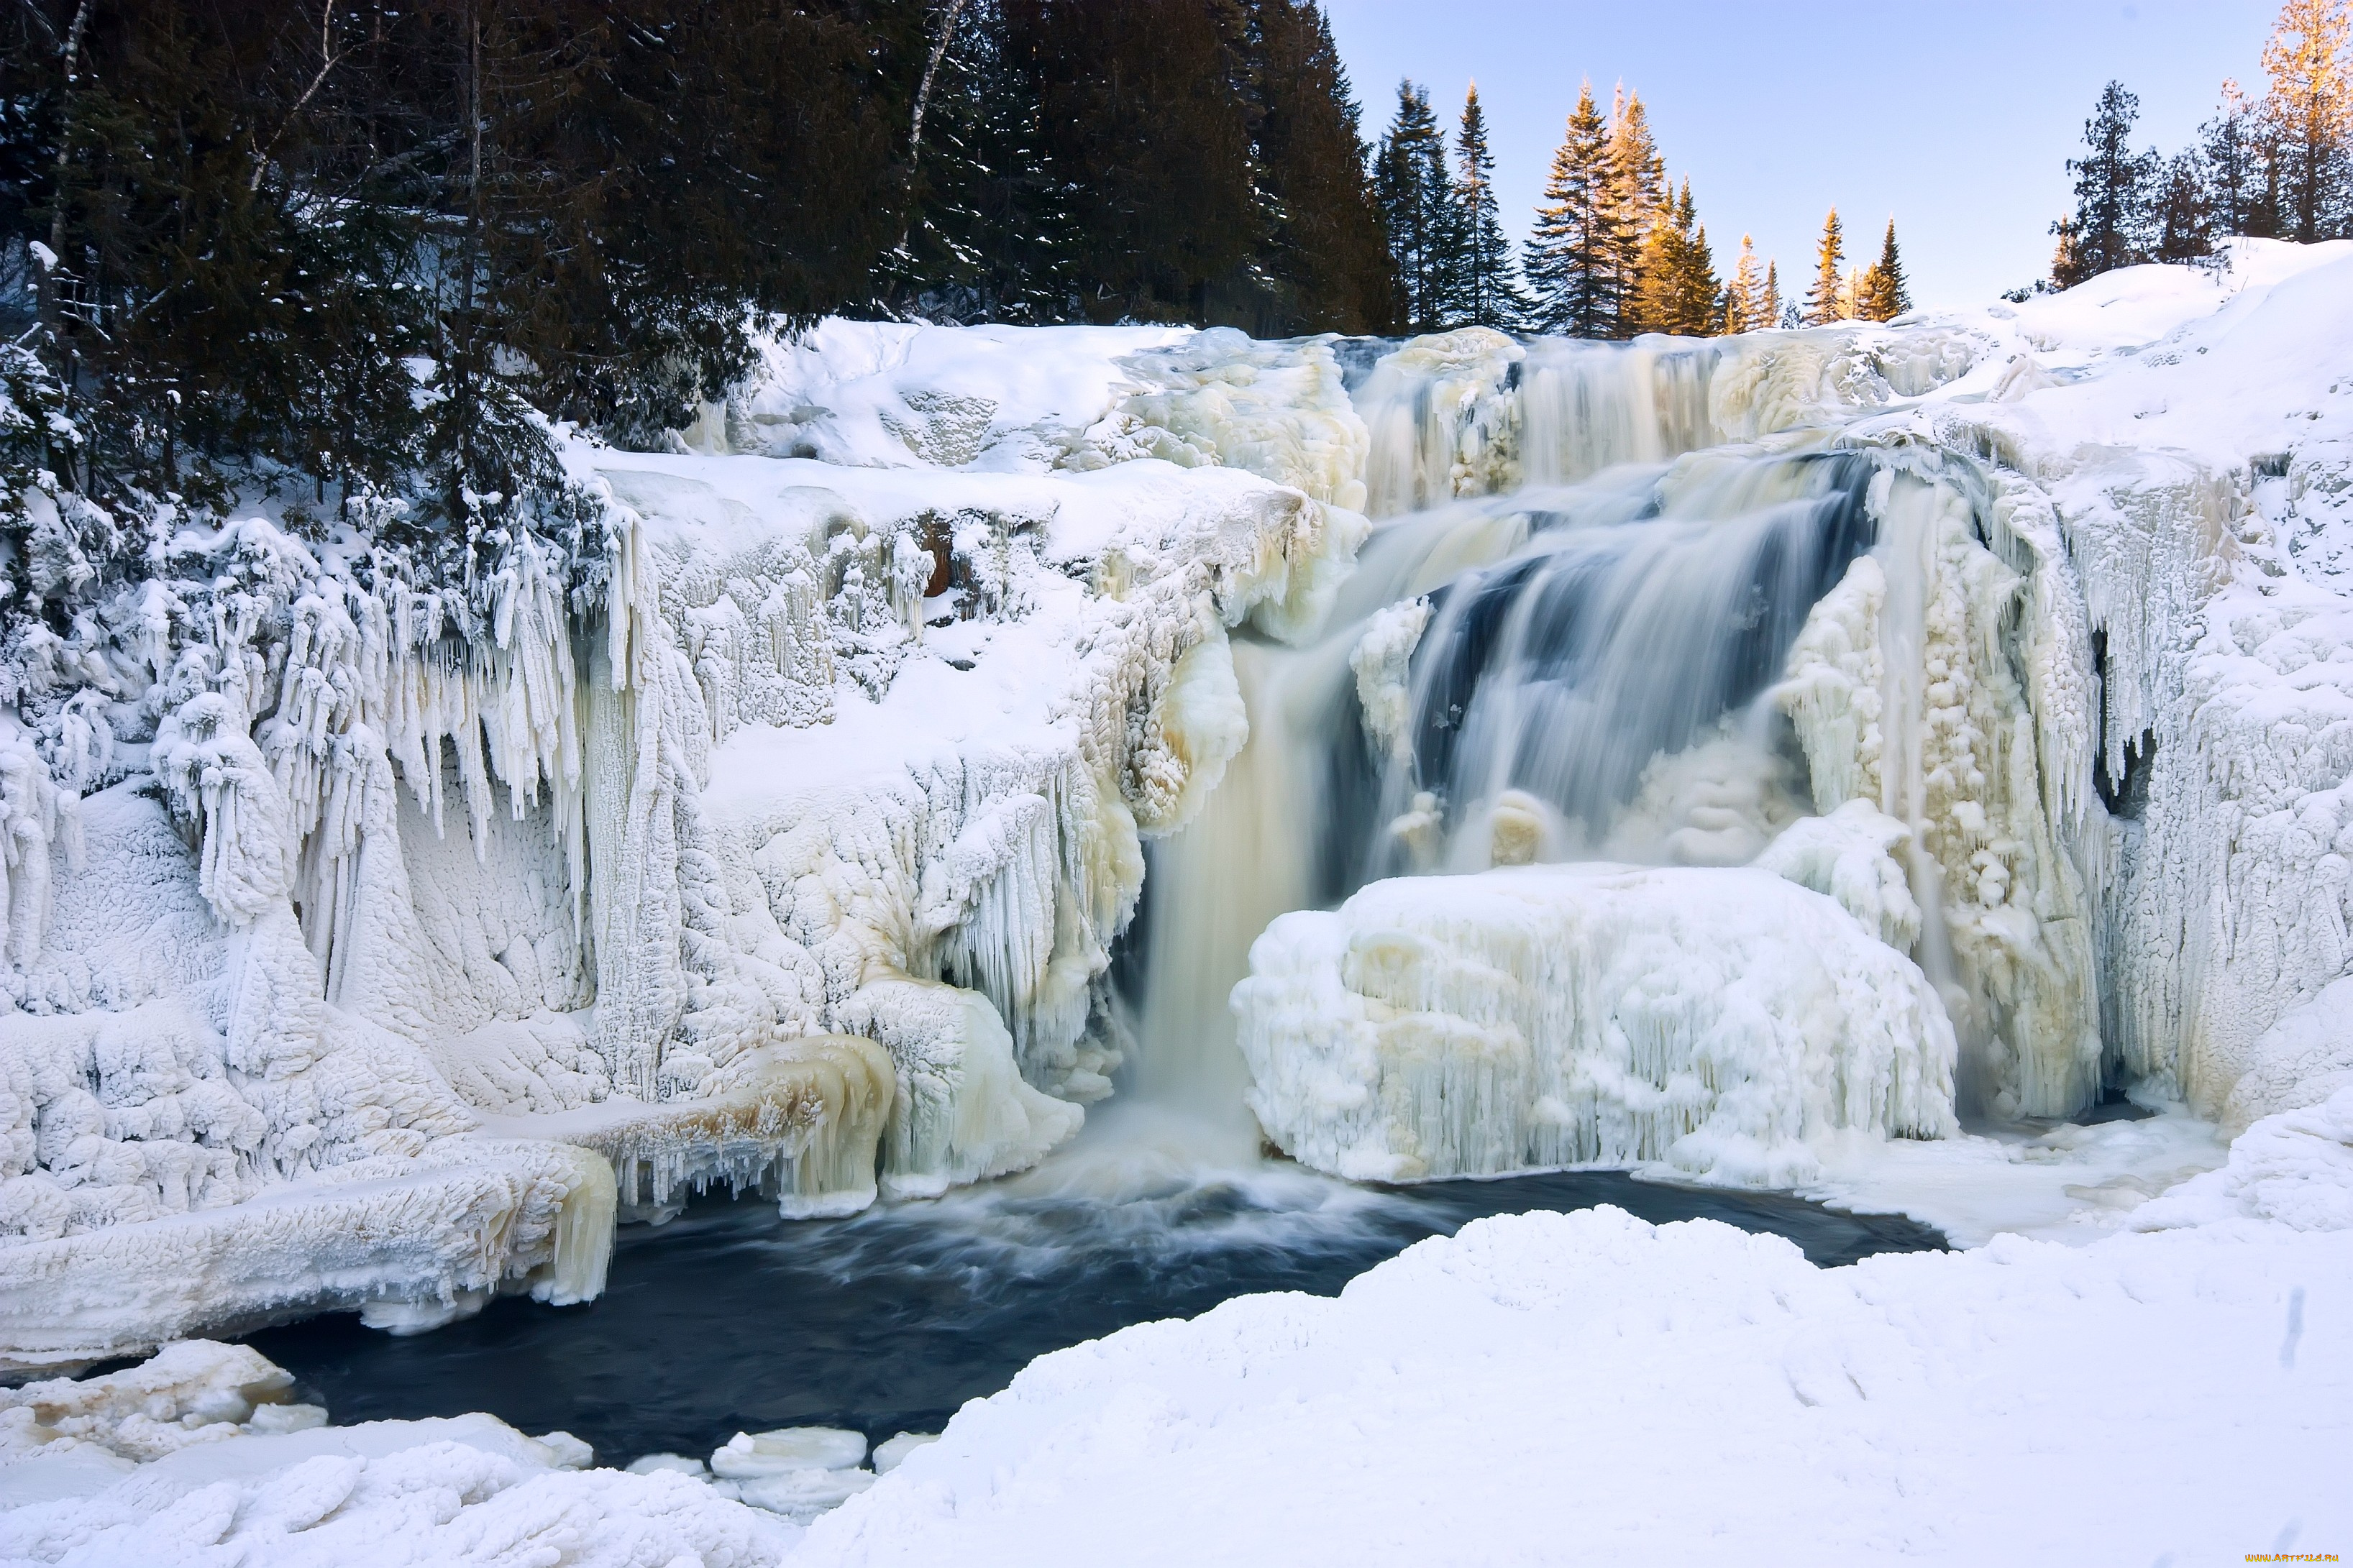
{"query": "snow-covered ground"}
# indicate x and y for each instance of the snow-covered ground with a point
(809, 855)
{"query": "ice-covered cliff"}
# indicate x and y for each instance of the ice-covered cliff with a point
(775, 826)
(372, 946)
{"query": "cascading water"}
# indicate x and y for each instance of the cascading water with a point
(1568, 668)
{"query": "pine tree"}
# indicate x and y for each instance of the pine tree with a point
(2107, 228)
(1677, 288)
(1327, 256)
(2309, 58)
(1770, 310)
(1490, 295)
(1569, 258)
(1638, 200)
(1884, 292)
(1417, 199)
(1822, 301)
(2239, 156)
(1745, 308)
(2182, 222)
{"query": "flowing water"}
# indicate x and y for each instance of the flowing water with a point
(731, 1318)
(1571, 669)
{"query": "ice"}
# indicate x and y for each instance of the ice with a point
(335, 902)
(469, 1490)
(892, 1452)
(1716, 1021)
(786, 1450)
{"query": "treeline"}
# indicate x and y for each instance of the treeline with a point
(2280, 167)
(359, 248)
(1616, 250)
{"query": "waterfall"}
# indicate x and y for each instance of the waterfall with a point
(1554, 648)
(1621, 607)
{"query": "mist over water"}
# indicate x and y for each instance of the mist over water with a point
(731, 1319)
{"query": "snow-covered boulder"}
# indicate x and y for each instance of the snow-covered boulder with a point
(1549, 1016)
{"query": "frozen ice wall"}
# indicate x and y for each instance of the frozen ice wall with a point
(377, 946)
(2071, 799)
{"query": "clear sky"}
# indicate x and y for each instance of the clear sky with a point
(1956, 118)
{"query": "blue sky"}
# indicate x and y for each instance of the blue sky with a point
(1956, 119)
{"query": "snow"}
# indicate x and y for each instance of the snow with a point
(1716, 1021)
(785, 848)
(378, 947)
(1547, 1387)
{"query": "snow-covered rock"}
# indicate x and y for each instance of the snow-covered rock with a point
(1540, 1016)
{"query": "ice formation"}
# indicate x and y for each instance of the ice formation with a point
(1540, 1016)
(193, 1458)
(2056, 703)
(372, 946)
(776, 829)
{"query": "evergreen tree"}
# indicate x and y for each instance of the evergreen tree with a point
(1823, 303)
(2239, 157)
(1147, 118)
(1677, 288)
(1884, 292)
(2181, 224)
(1418, 203)
(1770, 310)
(2107, 228)
(1489, 292)
(1637, 202)
(1744, 306)
(1571, 257)
(2309, 58)
(1327, 256)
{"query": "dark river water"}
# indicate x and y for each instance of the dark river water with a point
(731, 1318)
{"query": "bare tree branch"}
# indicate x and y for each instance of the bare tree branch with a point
(328, 58)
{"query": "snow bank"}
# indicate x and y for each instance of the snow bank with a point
(1540, 1016)
(1737, 1396)
(465, 1490)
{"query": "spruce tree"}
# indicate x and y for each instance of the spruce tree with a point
(2239, 155)
(1770, 310)
(1638, 201)
(2309, 58)
(1884, 292)
(1327, 256)
(1417, 199)
(1489, 294)
(1823, 304)
(1744, 306)
(2181, 225)
(1569, 258)
(1677, 290)
(2108, 227)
